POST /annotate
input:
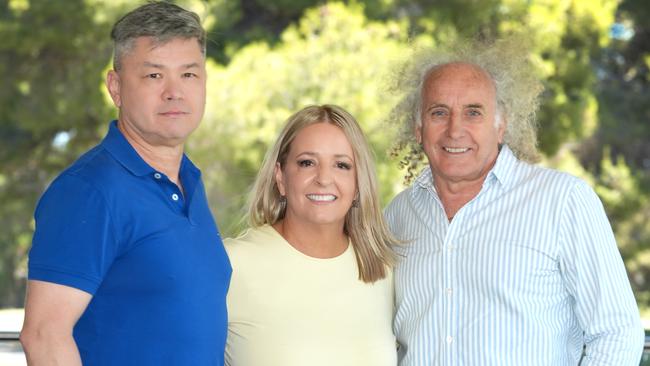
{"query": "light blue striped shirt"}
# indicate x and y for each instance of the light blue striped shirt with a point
(525, 274)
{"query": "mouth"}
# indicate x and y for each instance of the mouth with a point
(321, 197)
(173, 113)
(455, 150)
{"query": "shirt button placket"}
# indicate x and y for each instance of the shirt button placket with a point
(448, 299)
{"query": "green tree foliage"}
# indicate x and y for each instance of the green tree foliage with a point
(333, 55)
(579, 31)
(239, 22)
(267, 59)
(51, 59)
(571, 43)
(623, 135)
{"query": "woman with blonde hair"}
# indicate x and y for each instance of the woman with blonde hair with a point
(312, 278)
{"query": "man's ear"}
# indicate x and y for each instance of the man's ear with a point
(113, 86)
(501, 129)
(279, 180)
(418, 134)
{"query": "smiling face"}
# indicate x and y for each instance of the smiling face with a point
(458, 131)
(318, 177)
(160, 91)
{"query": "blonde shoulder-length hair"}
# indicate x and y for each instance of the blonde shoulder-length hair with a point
(364, 223)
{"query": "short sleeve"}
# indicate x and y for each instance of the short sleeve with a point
(74, 242)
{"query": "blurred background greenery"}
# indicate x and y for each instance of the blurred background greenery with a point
(269, 58)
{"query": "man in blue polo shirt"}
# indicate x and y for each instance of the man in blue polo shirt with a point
(127, 267)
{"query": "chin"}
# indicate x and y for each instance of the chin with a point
(328, 221)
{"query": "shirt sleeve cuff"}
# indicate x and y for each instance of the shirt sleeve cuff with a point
(62, 277)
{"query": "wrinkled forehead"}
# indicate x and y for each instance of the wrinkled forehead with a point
(460, 73)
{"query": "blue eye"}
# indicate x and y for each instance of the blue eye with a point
(438, 113)
(474, 112)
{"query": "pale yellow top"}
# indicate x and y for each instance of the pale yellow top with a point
(288, 309)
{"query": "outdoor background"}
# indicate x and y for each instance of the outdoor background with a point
(269, 58)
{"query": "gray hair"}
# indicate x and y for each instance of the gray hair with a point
(505, 61)
(162, 21)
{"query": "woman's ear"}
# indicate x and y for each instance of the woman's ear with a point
(279, 179)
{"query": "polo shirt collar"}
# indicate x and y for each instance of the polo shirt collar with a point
(117, 145)
(190, 176)
(501, 171)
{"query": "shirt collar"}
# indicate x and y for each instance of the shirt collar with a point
(117, 145)
(190, 175)
(501, 171)
(425, 179)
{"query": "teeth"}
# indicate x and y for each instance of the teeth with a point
(456, 149)
(321, 197)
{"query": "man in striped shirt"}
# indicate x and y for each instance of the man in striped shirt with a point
(504, 263)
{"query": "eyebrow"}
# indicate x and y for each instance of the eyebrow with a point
(160, 66)
(471, 105)
(311, 153)
(437, 105)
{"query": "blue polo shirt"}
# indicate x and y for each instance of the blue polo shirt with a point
(151, 256)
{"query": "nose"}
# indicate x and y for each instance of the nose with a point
(455, 128)
(172, 90)
(324, 175)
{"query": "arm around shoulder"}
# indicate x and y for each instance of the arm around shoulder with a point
(51, 311)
